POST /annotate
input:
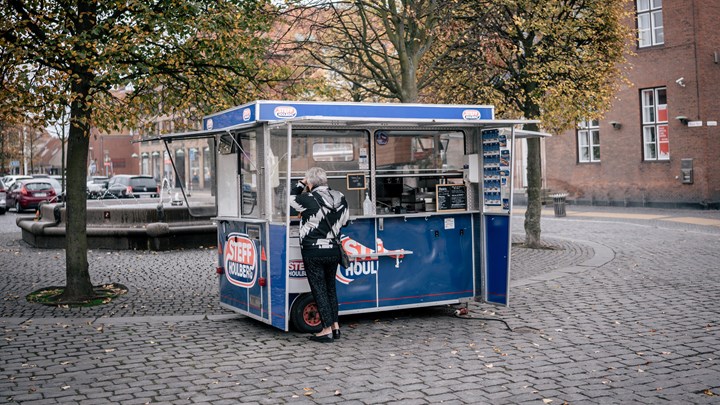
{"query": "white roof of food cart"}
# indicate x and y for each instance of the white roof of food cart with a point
(348, 114)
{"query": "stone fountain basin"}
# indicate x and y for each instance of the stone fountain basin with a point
(119, 225)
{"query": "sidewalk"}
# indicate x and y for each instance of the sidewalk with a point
(702, 220)
(622, 310)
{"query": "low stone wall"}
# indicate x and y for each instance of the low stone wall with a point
(141, 226)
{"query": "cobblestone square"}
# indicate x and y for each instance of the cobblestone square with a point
(621, 309)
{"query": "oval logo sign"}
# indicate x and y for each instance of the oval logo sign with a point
(241, 266)
(246, 114)
(471, 115)
(285, 112)
(209, 124)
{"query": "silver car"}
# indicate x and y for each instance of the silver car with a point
(11, 179)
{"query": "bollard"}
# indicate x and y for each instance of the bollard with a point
(559, 204)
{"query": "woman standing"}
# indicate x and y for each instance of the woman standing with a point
(323, 212)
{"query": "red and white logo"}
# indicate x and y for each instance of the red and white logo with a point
(471, 115)
(246, 114)
(296, 269)
(363, 261)
(241, 264)
(285, 111)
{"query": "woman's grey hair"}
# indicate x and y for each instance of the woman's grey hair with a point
(316, 176)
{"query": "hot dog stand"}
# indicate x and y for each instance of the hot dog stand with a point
(438, 178)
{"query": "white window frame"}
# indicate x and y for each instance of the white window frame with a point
(588, 141)
(650, 27)
(654, 122)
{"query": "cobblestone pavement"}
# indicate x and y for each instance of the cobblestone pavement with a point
(622, 309)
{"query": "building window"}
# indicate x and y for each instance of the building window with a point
(650, 23)
(588, 136)
(656, 139)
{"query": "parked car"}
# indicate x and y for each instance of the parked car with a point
(59, 192)
(29, 193)
(11, 179)
(132, 186)
(96, 186)
(3, 194)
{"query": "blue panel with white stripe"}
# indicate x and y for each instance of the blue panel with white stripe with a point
(283, 110)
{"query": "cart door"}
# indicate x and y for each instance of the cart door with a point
(243, 285)
(496, 240)
(440, 267)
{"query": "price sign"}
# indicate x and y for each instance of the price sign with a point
(356, 181)
(451, 197)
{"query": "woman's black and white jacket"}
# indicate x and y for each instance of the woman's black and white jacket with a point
(316, 237)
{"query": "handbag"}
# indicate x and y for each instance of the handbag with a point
(344, 258)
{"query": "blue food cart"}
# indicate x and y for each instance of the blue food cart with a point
(435, 180)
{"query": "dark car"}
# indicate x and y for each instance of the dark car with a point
(3, 194)
(132, 186)
(29, 193)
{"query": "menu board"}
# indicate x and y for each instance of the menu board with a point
(356, 181)
(451, 197)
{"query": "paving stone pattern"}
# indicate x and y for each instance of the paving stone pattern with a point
(642, 328)
(160, 283)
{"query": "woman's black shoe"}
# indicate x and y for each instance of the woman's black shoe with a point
(336, 333)
(322, 339)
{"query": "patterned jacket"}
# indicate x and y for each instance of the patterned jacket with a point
(316, 237)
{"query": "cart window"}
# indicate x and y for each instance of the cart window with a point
(339, 152)
(248, 174)
(410, 163)
(188, 175)
(418, 151)
(277, 164)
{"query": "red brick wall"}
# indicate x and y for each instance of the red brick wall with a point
(120, 150)
(622, 177)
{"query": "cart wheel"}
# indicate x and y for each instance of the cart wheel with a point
(304, 314)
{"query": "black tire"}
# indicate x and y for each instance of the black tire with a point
(2, 210)
(18, 209)
(304, 315)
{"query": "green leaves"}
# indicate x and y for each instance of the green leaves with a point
(173, 52)
(559, 58)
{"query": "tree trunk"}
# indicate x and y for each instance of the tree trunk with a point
(409, 88)
(534, 204)
(78, 286)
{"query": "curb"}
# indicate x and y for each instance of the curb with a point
(120, 320)
(602, 256)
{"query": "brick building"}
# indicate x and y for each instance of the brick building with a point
(659, 144)
(112, 153)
